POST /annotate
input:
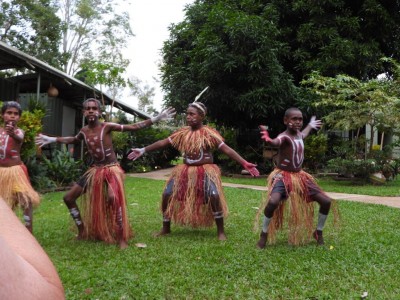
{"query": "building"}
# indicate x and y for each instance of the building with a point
(62, 94)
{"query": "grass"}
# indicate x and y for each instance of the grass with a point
(390, 188)
(361, 256)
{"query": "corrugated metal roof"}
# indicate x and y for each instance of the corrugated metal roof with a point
(12, 58)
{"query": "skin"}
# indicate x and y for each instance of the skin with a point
(26, 270)
(194, 119)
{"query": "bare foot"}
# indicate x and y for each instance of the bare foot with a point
(80, 236)
(222, 236)
(123, 244)
(262, 241)
(162, 232)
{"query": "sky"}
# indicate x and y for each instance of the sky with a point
(149, 22)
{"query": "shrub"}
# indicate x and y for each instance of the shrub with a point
(62, 168)
(151, 160)
(38, 174)
(315, 147)
(359, 168)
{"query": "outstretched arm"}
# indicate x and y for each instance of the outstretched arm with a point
(138, 152)
(265, 136)
(235, 156)
(26, 270)
(167, 114)
(314, 124)
(42, 140)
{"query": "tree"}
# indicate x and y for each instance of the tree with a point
(231, 47)
(32, 27)
(144, 93)
(338, 36)
(353, 103)
(93, 31)
(249, 52)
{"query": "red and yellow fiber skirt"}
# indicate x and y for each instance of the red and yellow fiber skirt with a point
(297, 210)
(188, 204)
(98, 214)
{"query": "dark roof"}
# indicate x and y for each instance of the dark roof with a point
(70, 88)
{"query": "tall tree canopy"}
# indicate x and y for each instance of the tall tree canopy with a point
(232, 47)
(93, 31)
(32, 27)
(253, 53)
(338, 36)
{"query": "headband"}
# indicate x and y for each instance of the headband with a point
(199, 107)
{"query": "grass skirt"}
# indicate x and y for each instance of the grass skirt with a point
(99, 215)
(15, 187)
(188, 204)
(297, 210)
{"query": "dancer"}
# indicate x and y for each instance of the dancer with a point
(193, 194)
(104, 215)
(15, 186)
(288, 180)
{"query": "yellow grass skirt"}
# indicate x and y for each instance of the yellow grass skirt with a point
(15, 187)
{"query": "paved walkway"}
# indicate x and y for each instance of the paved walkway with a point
(389, 201)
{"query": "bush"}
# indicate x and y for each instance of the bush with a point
(151, 160)
(315, 147)
(62, 168)
(38, 174)
(359, 168)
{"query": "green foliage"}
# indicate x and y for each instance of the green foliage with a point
(38, 174)
(95, 33)
(32, 27)
(120, 141)
(389, 166)
(31, 124)
(62, 168)
(359, 168)
(151, 160)
(144, 93)
(249, 51)
(337, 36)
(315, 146)
(224, 161)
(354, 103)
(350, 263)
(232, 47)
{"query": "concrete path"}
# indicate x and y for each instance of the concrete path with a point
(388, 201)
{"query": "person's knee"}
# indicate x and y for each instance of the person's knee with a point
(73, 194)
(325, 205)
(68, 199)
(270, 208)
(215, 202)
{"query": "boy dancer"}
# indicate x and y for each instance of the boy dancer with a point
(104, 215)
(288, 180)
(193, 194)
(15, 187)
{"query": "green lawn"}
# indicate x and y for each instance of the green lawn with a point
(390, 188)
(361, 256)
